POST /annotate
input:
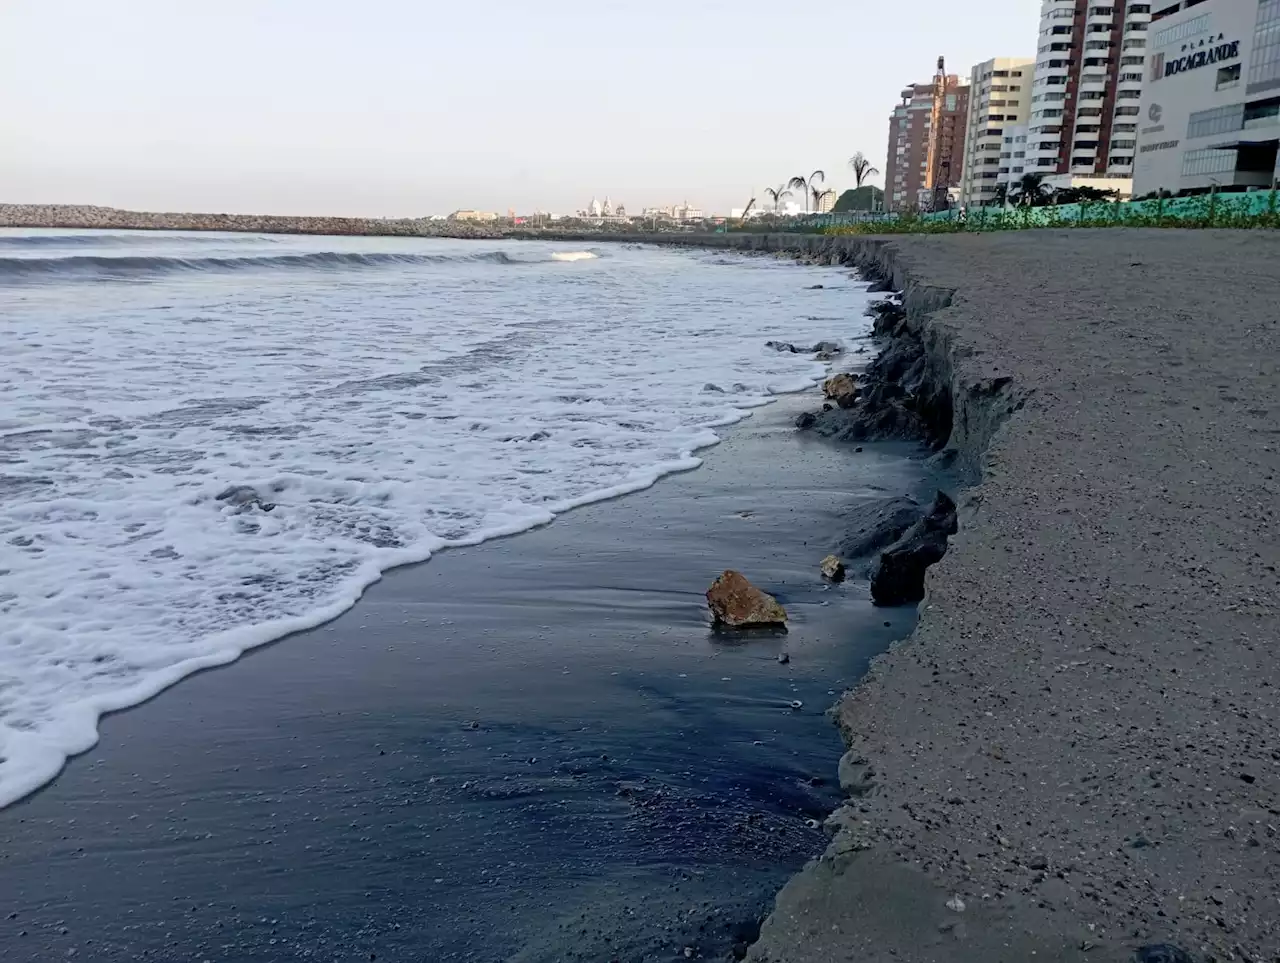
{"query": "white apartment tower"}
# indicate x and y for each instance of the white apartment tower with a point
(1086, 93)
(999, 98)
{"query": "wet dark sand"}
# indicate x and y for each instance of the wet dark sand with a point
(534, 749)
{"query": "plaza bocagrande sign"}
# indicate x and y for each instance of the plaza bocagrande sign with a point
(1200, 58)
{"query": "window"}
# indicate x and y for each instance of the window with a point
(1126, 144)
(1217, 120)
(1123, 161)
(1137, 77)
(1127, 111)
(1135, 28)
(1227, 77)
(1089, 112)
(1099, 28)
(1092, 95)
(1124, 128)
(1264, 113)
(1264, 65)
(1101, 11)
(1197, 163)
(1134, 43)
(1133, 62)
(1188, 28)
(1016, 73)
(1099, 44)
(1128, 95)
(1019, 153)
(1082, 162)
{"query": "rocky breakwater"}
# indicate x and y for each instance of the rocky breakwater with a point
(86, 217)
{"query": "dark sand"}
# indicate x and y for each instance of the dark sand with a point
(533, 749)
(1080, 739)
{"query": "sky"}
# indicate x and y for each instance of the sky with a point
(403, 108)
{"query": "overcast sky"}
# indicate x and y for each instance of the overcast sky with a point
(409, 107)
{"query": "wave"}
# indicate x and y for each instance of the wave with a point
(28, 241)
(93, 266)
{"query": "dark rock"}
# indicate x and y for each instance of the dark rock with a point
(897, 577)
(825, 346)
(815, 287)
(827, 406)
(806, 420)
(715, 389)
(540, 436)
(782, 346)
(880, 285)
(888, 315)
(1162, 953)
(878, 525)
(243, 497)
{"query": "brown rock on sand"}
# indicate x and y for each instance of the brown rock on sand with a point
(736, 603)
(842, 389)
(832, 568)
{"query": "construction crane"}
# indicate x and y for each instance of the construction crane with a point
(938, 160)
(747, 210)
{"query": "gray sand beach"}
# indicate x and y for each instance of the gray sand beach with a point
(1075, 755)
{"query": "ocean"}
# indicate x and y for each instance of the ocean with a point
(208, 442)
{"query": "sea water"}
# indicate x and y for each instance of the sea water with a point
(210, 441)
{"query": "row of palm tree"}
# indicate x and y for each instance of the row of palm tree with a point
(1031, 191)
(809, 186)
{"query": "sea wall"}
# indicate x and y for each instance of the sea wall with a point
(84, 217)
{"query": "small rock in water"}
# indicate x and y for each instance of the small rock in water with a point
(736, 603)
(832, 568)
(540, 436)
(243, 497)
(715, 389)
(783, 659)
(827, 406)
(806, 420)
(815, 287)
(796, 705)
(955, 904)
(1162, 953)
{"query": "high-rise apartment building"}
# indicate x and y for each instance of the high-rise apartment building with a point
(999, 98)
(926, 144)
(1086, 92)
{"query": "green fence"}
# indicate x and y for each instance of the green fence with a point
(1250, 209)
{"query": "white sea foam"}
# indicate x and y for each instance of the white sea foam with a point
(384, 413)
(571, 255)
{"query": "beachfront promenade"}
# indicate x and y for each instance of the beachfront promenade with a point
(1075, 754)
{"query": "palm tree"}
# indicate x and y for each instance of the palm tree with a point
(861, 168)
(819, 196)
(1030, 190)
(805, 184)
(777, 194)
(1001, 197)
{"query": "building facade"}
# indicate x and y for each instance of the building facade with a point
(1211, 107)
(999, 98)
(1087, 92)
(926, 144)
(1013, 158)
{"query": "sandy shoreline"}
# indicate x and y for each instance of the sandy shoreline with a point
(1078, 743)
